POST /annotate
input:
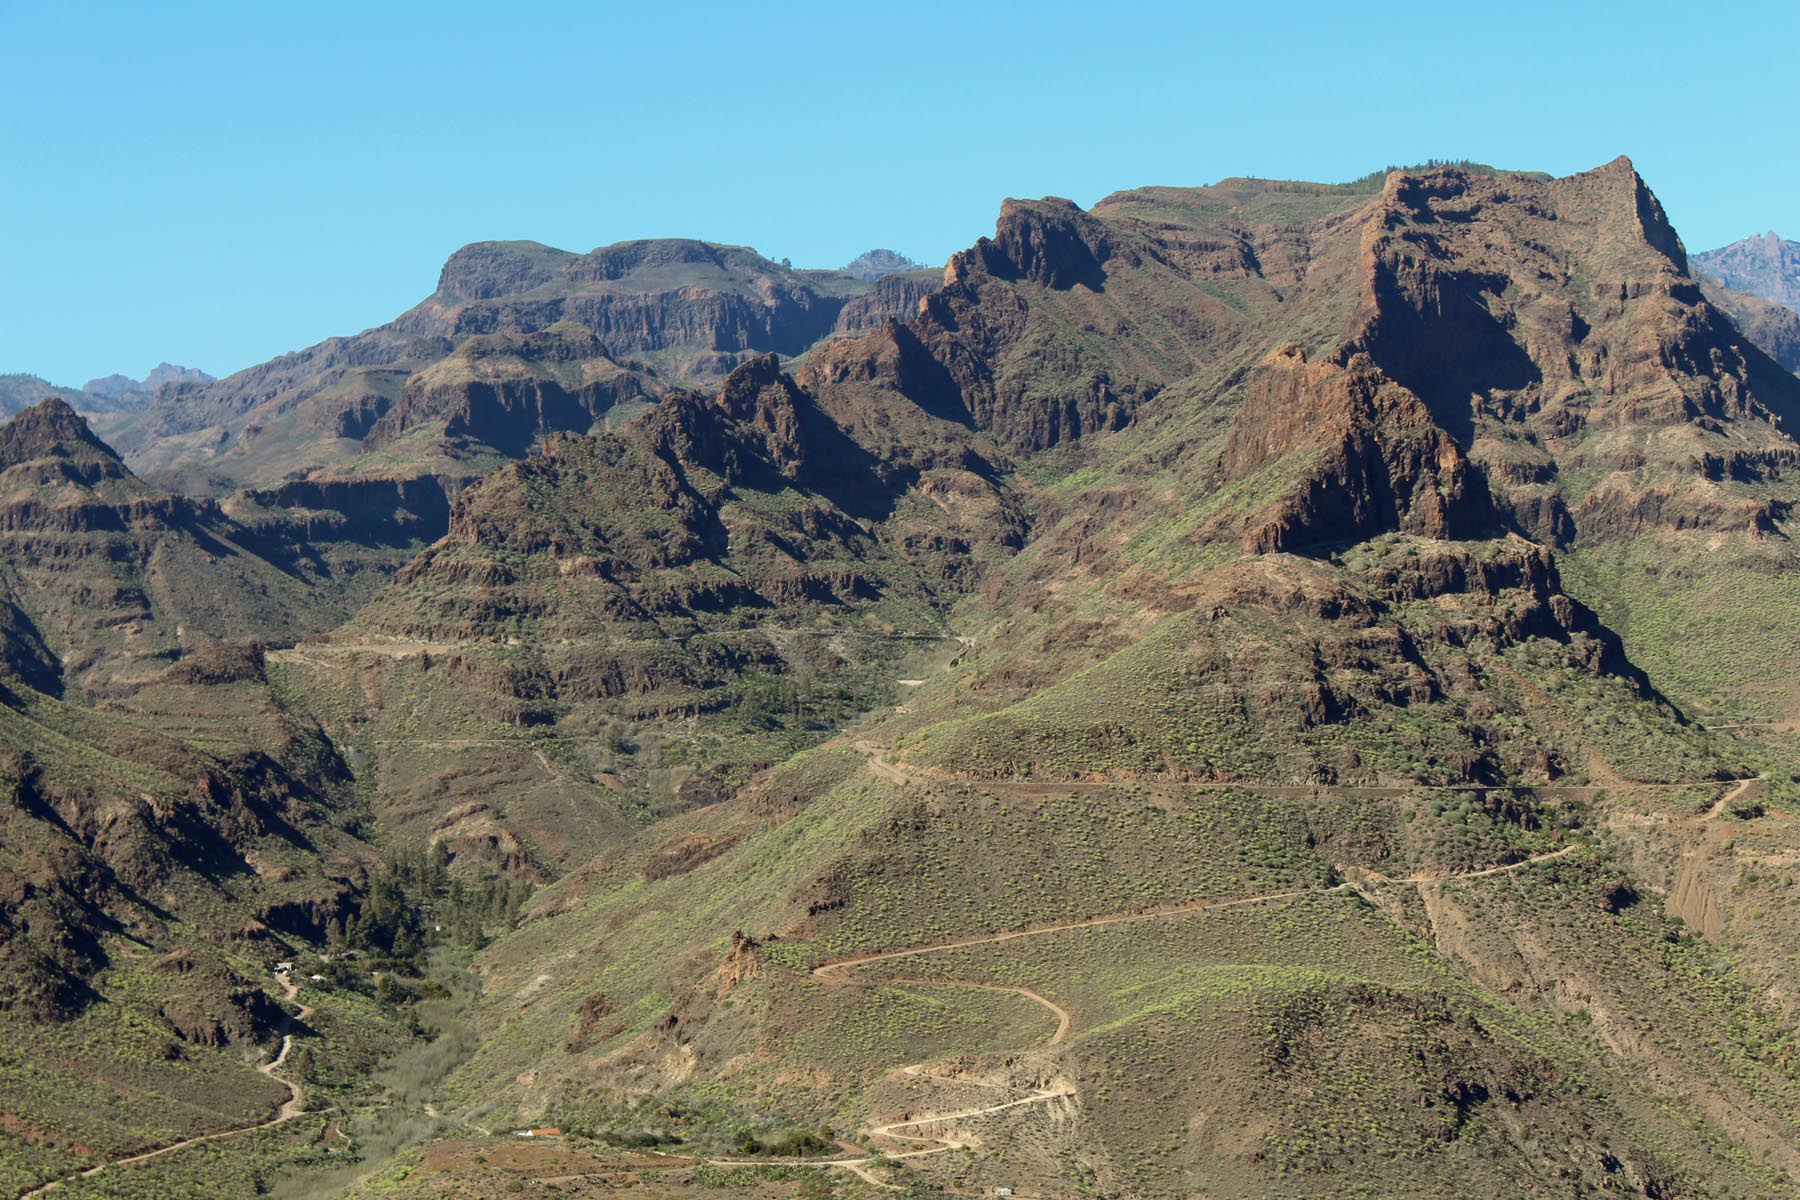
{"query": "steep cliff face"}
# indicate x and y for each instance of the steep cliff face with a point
(1369, 456)
(1029, 338)
(505, 391)
(892, 297)
(688, 304)
(318, 516)
(118, 578)
(1553, 328)
(1050, 242)
(1031, 392)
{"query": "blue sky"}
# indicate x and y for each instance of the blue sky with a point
(214, 184)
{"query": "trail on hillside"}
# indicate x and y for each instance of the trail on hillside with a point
(1725, 801)
(917, 778)
(945, 1139)
(293, 1107)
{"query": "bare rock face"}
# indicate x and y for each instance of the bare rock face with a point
(761, 397)
(893, 297)
(1551, 326)
(306, 513)
(49, 430)
(1774, 328)
(1049, 242)
(610, 516)
(667, 312)
(508, 390)
(1374, 459)
(487, 270)
(115, 578)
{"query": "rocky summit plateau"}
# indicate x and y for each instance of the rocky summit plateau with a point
(1270, 689)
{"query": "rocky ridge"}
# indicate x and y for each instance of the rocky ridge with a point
(1230, 619)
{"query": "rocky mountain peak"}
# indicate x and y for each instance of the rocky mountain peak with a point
(1051, 242)
(1765, 265)
(167, 372)
(46, 430)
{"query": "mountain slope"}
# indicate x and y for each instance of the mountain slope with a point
(1774, 328)
(655, 611)
(118, 578)
(1765, 266)
(1282, 769)
(1223, 693)
(158, 852)
(124, 391)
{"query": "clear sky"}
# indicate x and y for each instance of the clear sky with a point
(214, 184)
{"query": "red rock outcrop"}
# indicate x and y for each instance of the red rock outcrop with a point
(1373, 458)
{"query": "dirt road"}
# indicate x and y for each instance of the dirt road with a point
(1725, 801)
(294, 1107)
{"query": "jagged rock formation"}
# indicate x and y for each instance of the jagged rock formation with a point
(1766, 266)
(118, 578)
(1376, 462)
(507, 391)
(609, 577)
(1472, 302)
(892, 296)
(1261, 591)
(519, 341)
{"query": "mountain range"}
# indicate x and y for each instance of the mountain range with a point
(111, 395)
(1765, 266)
(1266, 689)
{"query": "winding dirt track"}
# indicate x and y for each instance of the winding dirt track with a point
(1724, 802)
(295, 1105)
(944, 1140)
